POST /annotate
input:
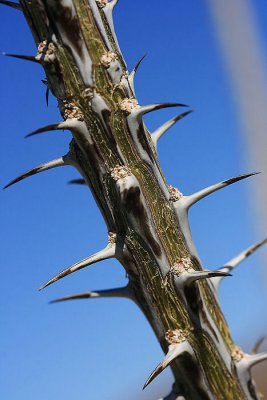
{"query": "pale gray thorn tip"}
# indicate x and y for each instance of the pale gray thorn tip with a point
(188, 201)
(258, 344)
(52, 127)
(59, 162)
(11, 4)
(122, 292)
(174, 351)
(156, 135)
(142, 110)
(234, 262)
(106, 253)
(21, 57)
(132, 74)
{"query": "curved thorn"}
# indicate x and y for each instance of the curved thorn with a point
(161, 130)
(21, 57)
(107, 252)
(142, 110)
(252, 360)
(11, 4)
(132, 74)
(122, 292)
(234, 262)
(174, 351)
(77, 182)
(258, 344)
(52, 127)
(188, 201)
(59, 162)
(113, 3)
(193, 276)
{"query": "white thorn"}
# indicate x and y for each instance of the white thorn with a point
(249, 361)
(188, 201)
(59, 162)
(68, 124)
(234, 262)
(131, 76)
(112, 4)
(156, 135)
(106, 253)
(123, 292)
(142, 110)
(174, 351)
(193, 276)
(21, 57)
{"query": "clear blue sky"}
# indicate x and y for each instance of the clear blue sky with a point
(104, 349)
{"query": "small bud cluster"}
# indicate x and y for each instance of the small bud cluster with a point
(102, 3)
(107, 58)
(237, 354)
(128, 105)
(72, 111)
(88, 93)
(175, 193)
(112, 237)
(46, 50)
(176, 336)
(181, 265)
(120, 172)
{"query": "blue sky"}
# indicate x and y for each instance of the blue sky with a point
(104, 349)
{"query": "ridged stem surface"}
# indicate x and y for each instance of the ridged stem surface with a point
(146, 219)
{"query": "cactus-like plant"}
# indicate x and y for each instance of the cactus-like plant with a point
(146, 218)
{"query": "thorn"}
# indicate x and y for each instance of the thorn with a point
(59, 162)
(161, 130)
(234, 262)
(184, 274)
(21, 57)
(44, 81)
(174, 351)
(107, 252)
(142, 110)
(132, 74)
(188, 201)
(113, 4)
(122, 292)
(192, 276)
(11, 4)
(77, 182)
(47, 96)
(53, 127)
(258, 344)
(252, 360)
